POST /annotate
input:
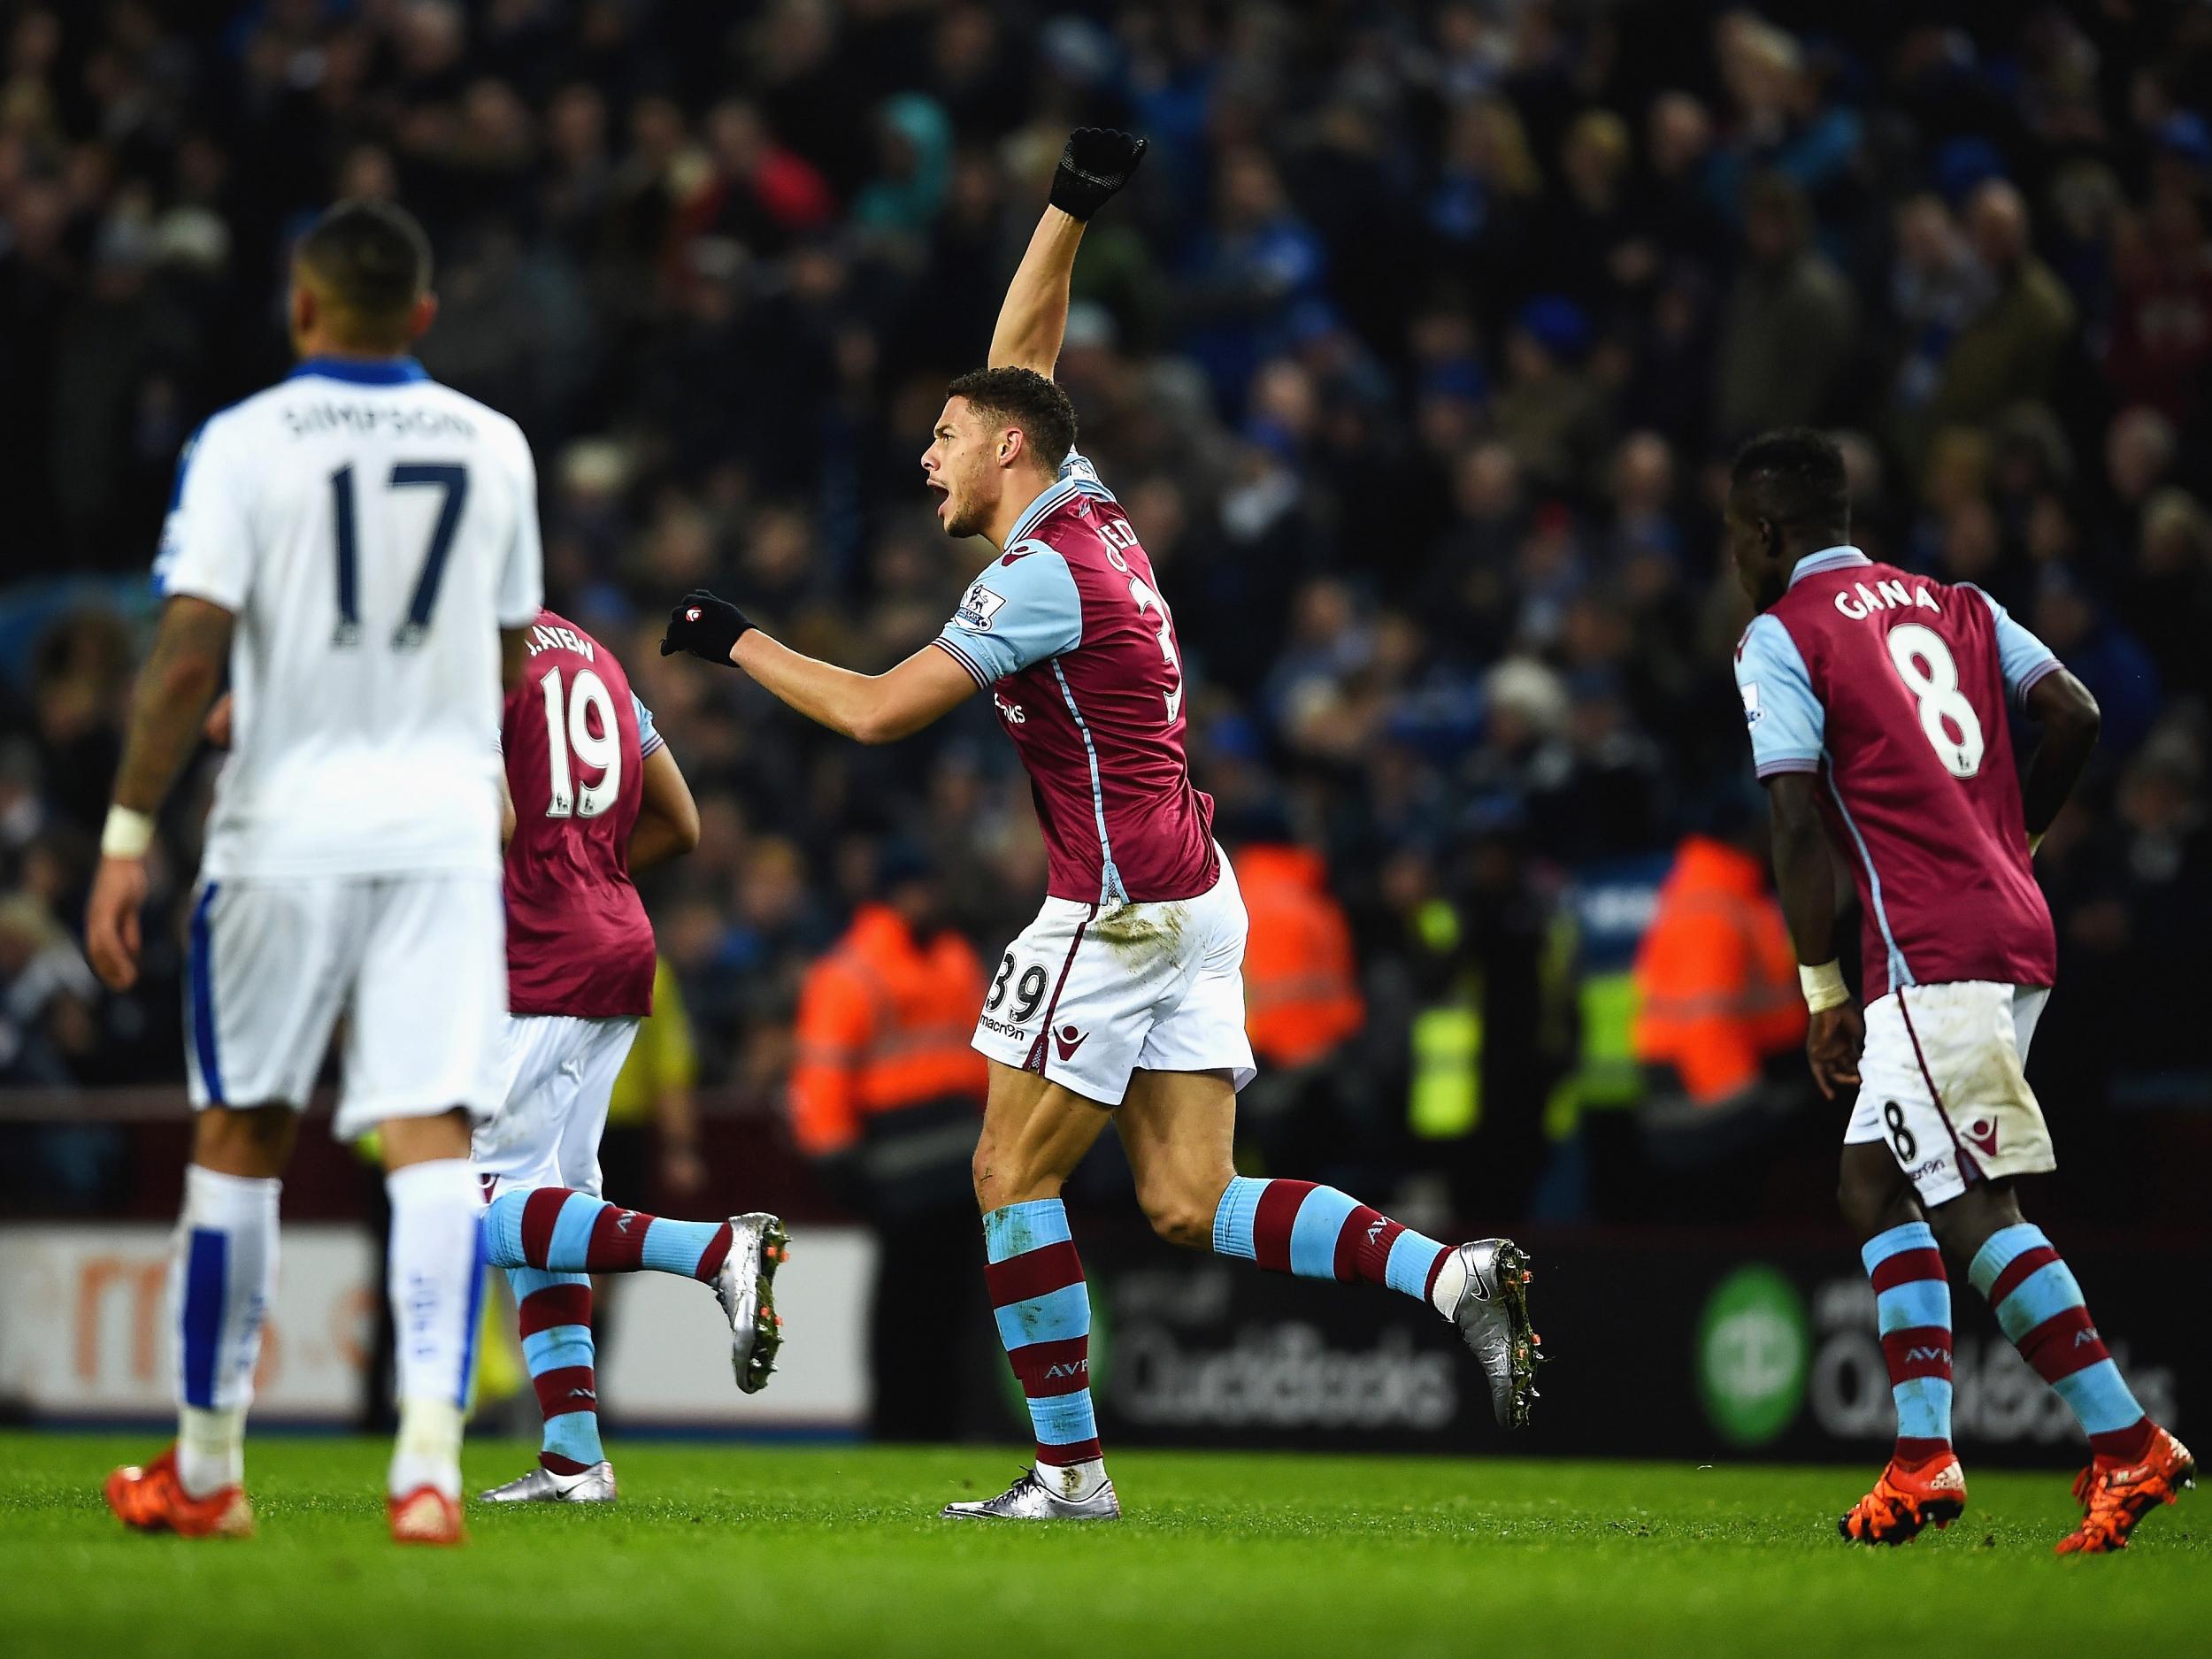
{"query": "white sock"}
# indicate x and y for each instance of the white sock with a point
(222, 1277)
(427, 1452)
(1451, 1284)
(437, 1275)
(1073, 1481)
(210, 1449)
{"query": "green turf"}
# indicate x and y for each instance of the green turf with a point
(745, 1551)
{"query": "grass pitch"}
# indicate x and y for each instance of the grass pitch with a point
(793, 1551)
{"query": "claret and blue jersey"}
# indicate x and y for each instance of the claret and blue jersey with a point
(1068, 633)
(1895, 689)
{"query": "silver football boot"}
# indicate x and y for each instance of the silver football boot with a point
(1492, 1320)
(745, 1286)
(1029, 1499)
(595, 1484)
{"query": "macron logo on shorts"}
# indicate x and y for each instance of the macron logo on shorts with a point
(1069, 1039)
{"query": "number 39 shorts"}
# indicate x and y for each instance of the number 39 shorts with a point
(1942, 1080)
(416, 964)
(1088, 994)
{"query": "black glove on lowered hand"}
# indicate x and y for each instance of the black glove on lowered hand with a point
(1097, 163)
(705, 626)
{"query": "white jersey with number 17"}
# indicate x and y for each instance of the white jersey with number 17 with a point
(371, 531)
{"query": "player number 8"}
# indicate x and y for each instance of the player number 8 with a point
(1925, 665)
(1900, 1137)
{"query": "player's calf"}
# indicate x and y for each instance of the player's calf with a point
(568, 1232)
(554, 1313)
(2135, 1465)
(1182, 1219)
(222, 1277)
(437, 1278)
(1043, 1309)
(2040, 1306)
(1912, 1304)
(1318, 1232)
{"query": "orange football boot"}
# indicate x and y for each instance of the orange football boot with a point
(425, 1516)
(2115, 1494)
(153, 1500)
(1905, 1500)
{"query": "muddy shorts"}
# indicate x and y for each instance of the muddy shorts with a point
(1090, 993)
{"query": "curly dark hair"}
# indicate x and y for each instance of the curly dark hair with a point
(1024, 398)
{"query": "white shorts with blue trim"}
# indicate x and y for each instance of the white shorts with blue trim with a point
(1943, 1080)
(416, 964)
(1089, 994)
(560, 1071)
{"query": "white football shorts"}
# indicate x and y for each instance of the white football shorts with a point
(560, 1072)
(1086, 996)
(1943, 1080)
(418, 965)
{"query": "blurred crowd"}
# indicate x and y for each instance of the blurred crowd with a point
(1415, 353)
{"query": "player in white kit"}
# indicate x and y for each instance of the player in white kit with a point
(360, 546)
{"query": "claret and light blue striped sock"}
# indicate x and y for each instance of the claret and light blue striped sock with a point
(574, 1232)
(1319, 1232)
(1043, 1308)
(1912, 1303)
(555, 1310)
(2041, 1309)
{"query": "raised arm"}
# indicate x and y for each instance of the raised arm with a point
(1034, 319)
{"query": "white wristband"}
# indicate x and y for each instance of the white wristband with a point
(127, 834)
(1824, 986)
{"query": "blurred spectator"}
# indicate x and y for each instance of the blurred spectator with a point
(1720, 1017)
(2009, 351)
(886, 1093)
(1788, 324)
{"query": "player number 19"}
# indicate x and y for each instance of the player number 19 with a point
(569, 727)
(1925, 665)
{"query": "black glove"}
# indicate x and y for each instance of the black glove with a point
(1097, 162)
(705, 626)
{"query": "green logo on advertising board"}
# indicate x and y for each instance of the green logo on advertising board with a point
(1753, 1345)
